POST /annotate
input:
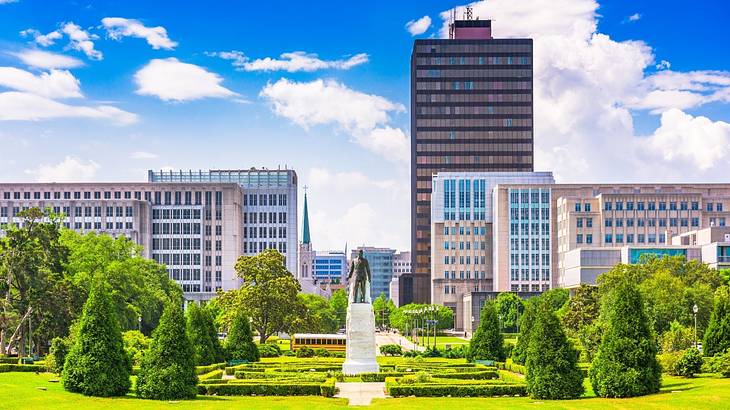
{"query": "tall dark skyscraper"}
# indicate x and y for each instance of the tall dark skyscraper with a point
(471, 110)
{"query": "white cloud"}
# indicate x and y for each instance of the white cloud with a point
(47, 60)
(81, 40)
(691, 141)
(8, 1)
(291, 62)
(55, 84)
(156, 37)
(663, 65)
(172, 80)
(584, 112)
(363, 116)
(20, 106)
(367, 211)
(71, 169)
(41, 39)
(142, 155)
(634, 17)
(416, 27)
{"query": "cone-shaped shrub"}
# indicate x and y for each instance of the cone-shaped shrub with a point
(717, 335)
(625, 364)
(168, 367)
(203, 336)
(487, 342)
(519, 353)
(552, 362)
(240, 343)
(97, 364)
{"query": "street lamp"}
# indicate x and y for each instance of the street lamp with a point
(695, 309)
(139, 323)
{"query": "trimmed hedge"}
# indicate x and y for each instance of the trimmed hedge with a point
(9, 360)
(8, 367)
(214, 375)
(512, 367)
(207, 369)
(455, 390)
(275, 388)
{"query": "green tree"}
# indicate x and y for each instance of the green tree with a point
(168, 367)
(582, 309)
(203, 335)
(240, 344)
(32, 285)
(626, 364)
(135, 344)
(57, 354)
(519, 353)
(677, 338)
(382, 306)
(556, 298)
(268, 293)
(406, 316)
(509, 306)
(552, 362)
(338, 302)
(717, 336)
(690, 363)
(140, 287)
(97, 364)
(487, 342)
(317, 317)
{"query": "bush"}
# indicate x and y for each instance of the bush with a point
(321, 352)
(677, 338)
(668, 361)
(458, 352)
(305, 351)
(626, 363)
(57, 355)
(203, 336)
(135, 344)
(487, 342)
(271, 388)
(7, 367)
(717, 334)
(213, 375)
(552, 362)
(168, 368)
(689, 364)
(519, 352)
(269, 350)
(240, 344)
(391, 350)
(97, 364)
(431, 352)
(396, 389)
(209, 368)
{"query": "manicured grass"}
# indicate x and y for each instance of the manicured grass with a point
(20, 391)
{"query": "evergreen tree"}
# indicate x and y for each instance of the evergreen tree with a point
(97, 364)
(626, 364)
(204, 336)
(240, 343)
(552, 362)
(519, 353)
(717, 335)
(487, 343)
(168, 367)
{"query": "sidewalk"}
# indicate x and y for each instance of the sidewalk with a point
(382, 338)
(361, 394)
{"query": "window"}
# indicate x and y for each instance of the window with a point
(719, 207)
(619, 206)
(609, 222)
(608, 238)
(589, 238)
(577, 207)
(662, 206)
(695, 206)
(579, 238)
(579, 222)
(589, 222)
(607, 206)
(708, 207)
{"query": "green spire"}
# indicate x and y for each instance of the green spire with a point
(305, 234)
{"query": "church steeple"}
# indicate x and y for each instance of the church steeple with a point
(305, 234)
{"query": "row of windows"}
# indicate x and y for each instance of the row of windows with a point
(264, 200)
(473, 85)
(469, 149)
(533, 196)
(175, 244)
(465, 245)
(480, 122)
(473, 110)
(480, 136)
(254, 247)
(529, 274)
(465, 274)
(619, 222)
(510, 160)
(471, 60)
(264, 232)
(184, 274)
(264, 217)
(533, 228)
(586, 207)
(180, 259)
(534, 244)
(78, 211)
(510, 46)
(651, 206)
(534, 259)
(529, 213)
(530, 288)
(438, 96)
(464, 260)
(588, 222)
(176, 214)
(640, 238)
(87, 226)
(178, 228)
(180, 197)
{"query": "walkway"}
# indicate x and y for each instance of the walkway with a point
(361, 394)
(386, 338)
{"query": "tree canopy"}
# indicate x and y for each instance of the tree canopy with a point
(203, 336)
(509, 306)
(487, 342)
(717, 336)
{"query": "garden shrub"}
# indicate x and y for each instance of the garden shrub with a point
(519, 352)
(271, 388)
(269, 350)
(689, 364)
(212, 375)
(626, 364)
(668, 361)
(391, 350)
(305, 351)
(209, 368)
(240, 344)
(135, 344)
(168, 368)
(487, 342)
(57, 355)
(97, 364)
(717, 334)
(8, 367)
(552, 362)
(321, 352)
(203, 336)
(454, 390)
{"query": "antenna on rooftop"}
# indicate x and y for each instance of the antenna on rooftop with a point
(468, 14)
(452, 19)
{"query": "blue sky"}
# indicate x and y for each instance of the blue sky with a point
(159, 89)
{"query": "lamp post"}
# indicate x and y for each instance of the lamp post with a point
(695, 309)
(139, 323)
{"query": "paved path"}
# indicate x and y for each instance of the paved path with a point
(361, 394)
(385, 338)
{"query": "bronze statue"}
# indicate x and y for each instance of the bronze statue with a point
(361, 270)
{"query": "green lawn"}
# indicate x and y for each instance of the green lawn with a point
(21, 391)
(442, 341)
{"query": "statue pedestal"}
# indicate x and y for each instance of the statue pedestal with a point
(361, 349)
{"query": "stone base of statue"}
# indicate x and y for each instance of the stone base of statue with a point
(361, 348)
